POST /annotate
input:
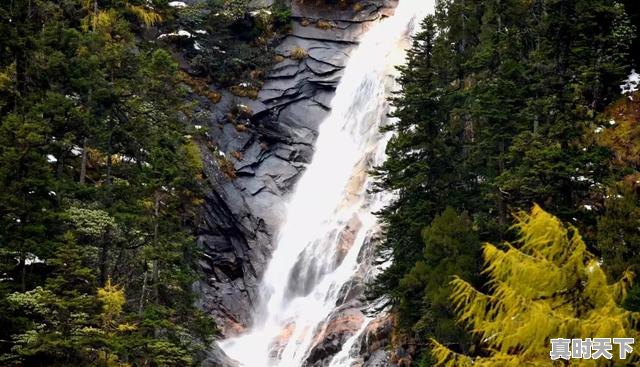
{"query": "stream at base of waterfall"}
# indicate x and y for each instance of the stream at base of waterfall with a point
(324, 252)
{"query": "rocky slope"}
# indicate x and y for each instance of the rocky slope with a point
(268, 142)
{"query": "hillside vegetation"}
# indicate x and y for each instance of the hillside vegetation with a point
(505, 104)
(101, 178)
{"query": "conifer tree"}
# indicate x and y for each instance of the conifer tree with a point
(99, 188)
(545, 285)
(498, 104)
(450, 248)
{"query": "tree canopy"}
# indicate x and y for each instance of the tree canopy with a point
(504, 104)
(543, 286)
(100, 184)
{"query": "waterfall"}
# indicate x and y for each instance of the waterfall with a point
(320, 261)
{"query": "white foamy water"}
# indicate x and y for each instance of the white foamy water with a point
(329, 218)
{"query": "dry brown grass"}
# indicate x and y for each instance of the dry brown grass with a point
(278, 59)
(237, 155)
(298, 53)
(226, 167)
(245, 91)
(304, 22)
(256, 74)
(201, 87)
(324, 24)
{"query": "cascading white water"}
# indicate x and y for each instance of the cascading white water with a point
(329, 217)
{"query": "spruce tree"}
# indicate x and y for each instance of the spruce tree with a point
(451, 248)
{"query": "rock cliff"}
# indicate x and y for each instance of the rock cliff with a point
(253, 158)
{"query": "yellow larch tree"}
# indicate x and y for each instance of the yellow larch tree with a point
(546, 285)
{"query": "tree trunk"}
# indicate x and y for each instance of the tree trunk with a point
(83, 166)
(156, 271)
(109, 165)
(23, 273)
(104, 254)
(144, 289)
(502, 210)
(21, 78)
(60, 167)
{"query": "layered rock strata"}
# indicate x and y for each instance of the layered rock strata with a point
(253, 162)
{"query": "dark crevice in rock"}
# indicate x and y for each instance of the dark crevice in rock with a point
(324, 39)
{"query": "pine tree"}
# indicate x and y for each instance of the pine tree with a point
(545, 285)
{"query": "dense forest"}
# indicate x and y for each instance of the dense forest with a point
(101, 175)
(515, 161)
(507, 104)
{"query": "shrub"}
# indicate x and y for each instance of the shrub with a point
(226, 167)
(245, 90)
(201, 87)
(298, 53)
(324, 24)
(256, 74)
(237, 155)
(281, 16)
(242, 111)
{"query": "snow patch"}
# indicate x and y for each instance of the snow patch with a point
(32, 259)
(76, 150)
(179, 33)
(177, 4)
(261, 11)
(631, 83)
(582, 179)
(51, 158)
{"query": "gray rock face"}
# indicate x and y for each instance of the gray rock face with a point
(260, 4)
(266, 153)
(216, 357)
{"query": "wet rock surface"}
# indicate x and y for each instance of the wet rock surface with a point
(332, 338)
(252, 164)
(374, 341)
